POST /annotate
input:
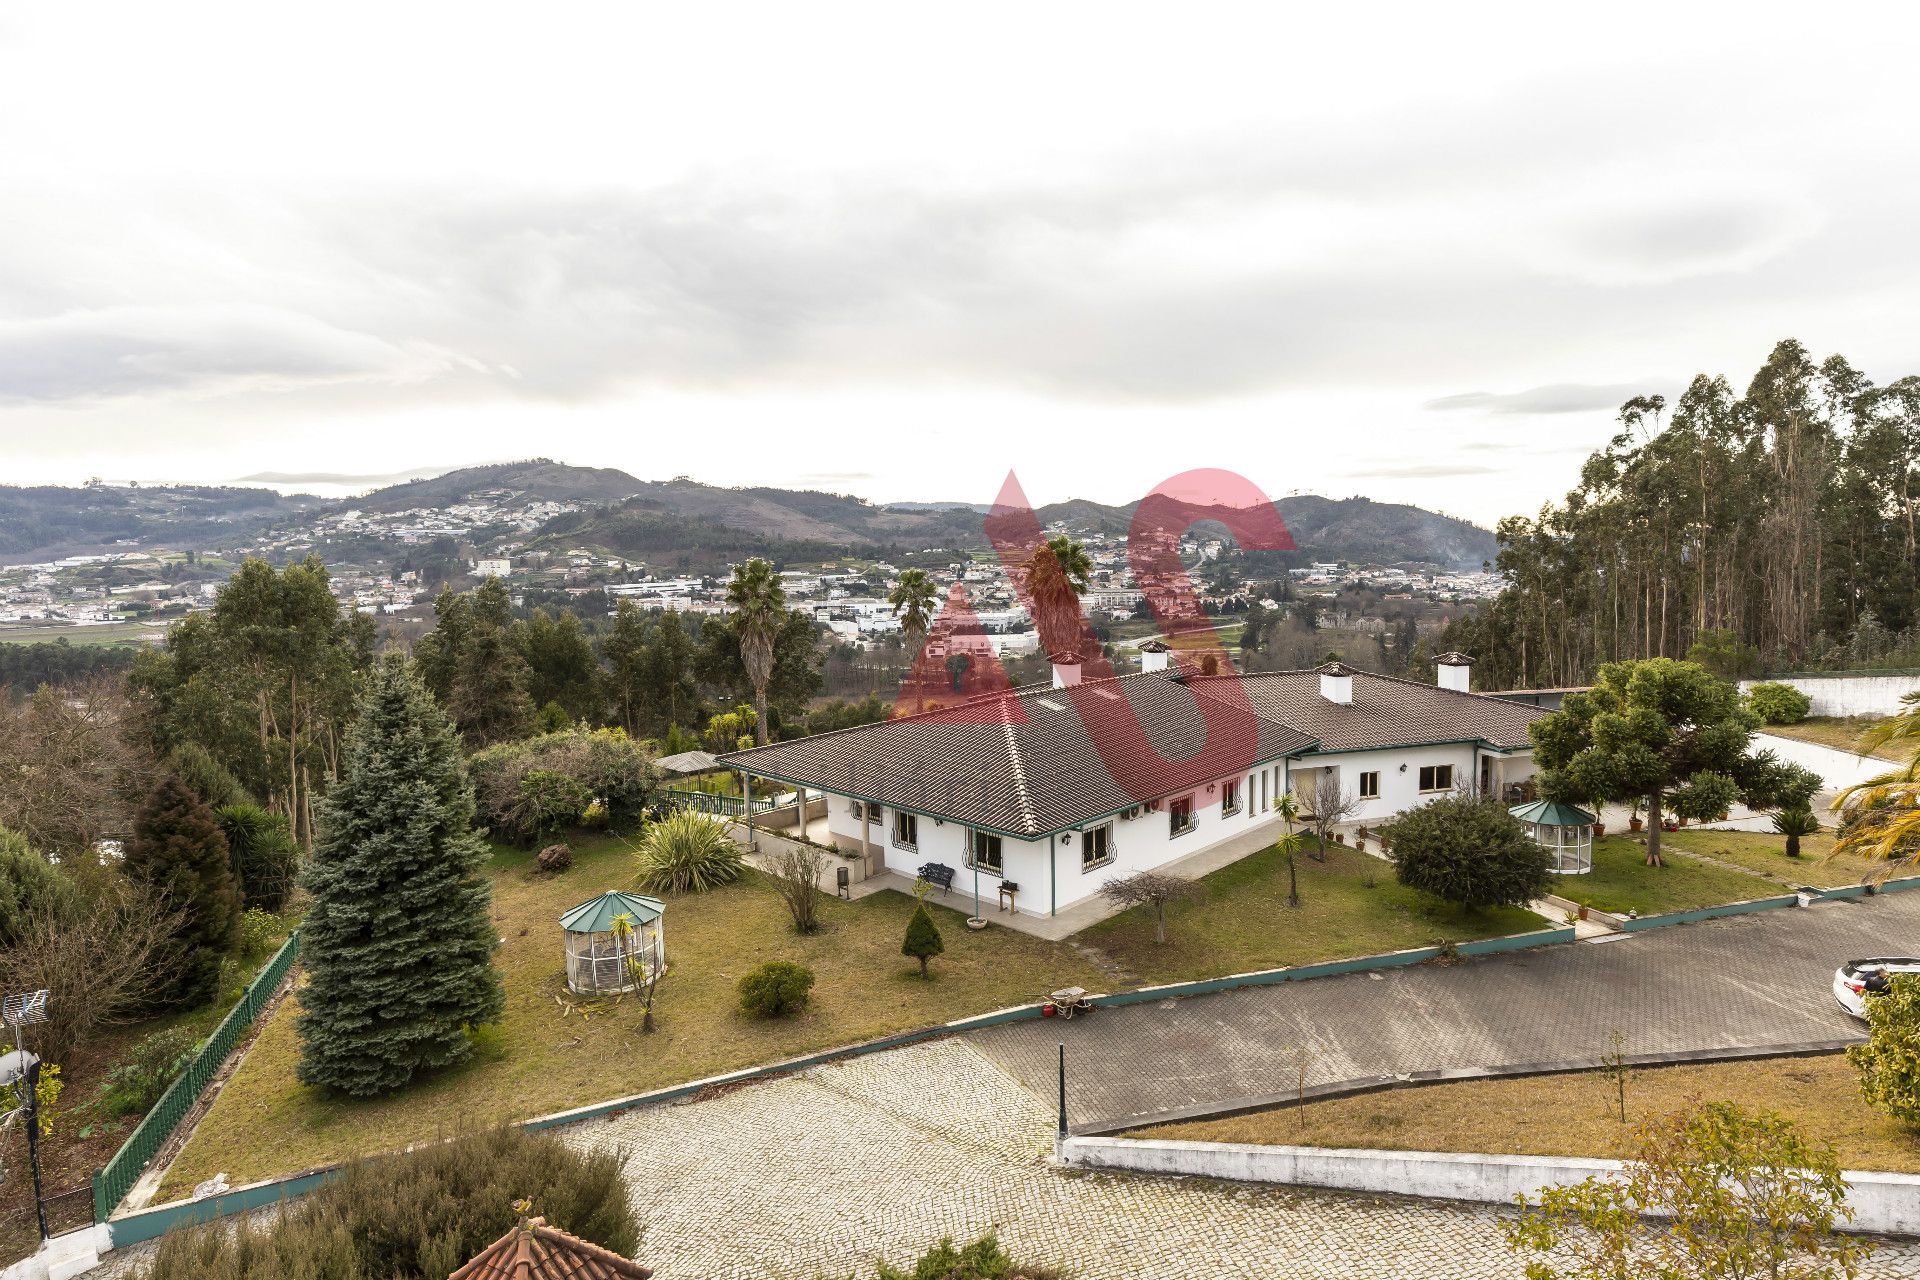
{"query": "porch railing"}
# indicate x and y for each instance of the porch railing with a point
(709, 802)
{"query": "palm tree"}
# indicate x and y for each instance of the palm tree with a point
(759, 606)
(1057, 575)
(913, 599)
(1794, 823)
(1884, 811)
(1289, 844)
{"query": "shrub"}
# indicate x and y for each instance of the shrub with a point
(687, 852)
(263, 852)
(1889, 1062)
(984, 1259)
(776, 989)
(212, 781)
(136, 1082)
(555, 857)
(261, 933)
(99, 963)
(796, 870)
(551, 800)
(1777, 703)
(614, 772)
(29, 886)
(417, 1216)
(46, 1090)
(923, 941)
(1468, 849)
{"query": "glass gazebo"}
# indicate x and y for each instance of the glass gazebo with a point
(1565, 831)
(614, 942)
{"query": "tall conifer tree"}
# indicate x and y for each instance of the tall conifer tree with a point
(399, 944)
(177, 850)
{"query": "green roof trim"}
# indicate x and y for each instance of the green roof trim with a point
(1551, 813)
(595, 915)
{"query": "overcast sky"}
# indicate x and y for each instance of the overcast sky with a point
(897, 250)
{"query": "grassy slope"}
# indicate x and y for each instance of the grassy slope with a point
(1620, 881)
(1766, 854)
(1243, 921)
(1833, 731)
(1570, 1114)
(538, 1060)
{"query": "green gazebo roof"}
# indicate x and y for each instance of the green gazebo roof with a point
(595, 915)
(1551, 813)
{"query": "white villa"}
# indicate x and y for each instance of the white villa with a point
(1018, 785)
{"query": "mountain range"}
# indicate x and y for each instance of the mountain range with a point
(635, 517)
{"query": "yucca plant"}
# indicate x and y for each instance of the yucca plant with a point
(687, 852)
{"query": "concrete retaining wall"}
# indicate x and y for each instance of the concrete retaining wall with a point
(1854, 693)
(1886, 1203)
(1838, 769)
(1635, 924)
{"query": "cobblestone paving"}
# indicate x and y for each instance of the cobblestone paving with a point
(822, 1173)
(1753, 980)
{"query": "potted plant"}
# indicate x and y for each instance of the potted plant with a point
(1634, 822)
(1360, 842)
(1599, 829)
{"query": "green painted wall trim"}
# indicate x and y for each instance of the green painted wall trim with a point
(146, 1224)
(1895, 886)
(1638, 923)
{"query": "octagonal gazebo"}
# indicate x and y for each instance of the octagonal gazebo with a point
(1565, 831)
(614, 942)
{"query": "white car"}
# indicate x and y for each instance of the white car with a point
(1850, 979)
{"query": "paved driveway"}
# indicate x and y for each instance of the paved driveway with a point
(1743, 981)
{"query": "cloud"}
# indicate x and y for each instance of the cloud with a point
(1423, 471)
(119, 351)
(1560, 397)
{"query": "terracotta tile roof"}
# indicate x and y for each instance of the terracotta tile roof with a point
(535, 1251)
(1386, 711)
(1025, 763)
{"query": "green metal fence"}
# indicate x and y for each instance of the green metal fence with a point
(708, 802)
(111, 1184)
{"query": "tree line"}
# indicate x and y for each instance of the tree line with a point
(1776, 525)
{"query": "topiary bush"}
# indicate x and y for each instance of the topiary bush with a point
(1468, 849)
(776, 989)
(687, 852)
(1777, 703)
(923, 941)
(417, 1216)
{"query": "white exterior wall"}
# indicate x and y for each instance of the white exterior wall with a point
(1142, 843)
(1401, 791)
(1861, 694)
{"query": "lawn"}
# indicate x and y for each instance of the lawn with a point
(1766, 853)
(1843, 734)
(1351, 906)
(1621, 882)
(104, 633)
(1574, 1114)
(541, 1059)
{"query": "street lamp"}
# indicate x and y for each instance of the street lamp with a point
(20, 1071)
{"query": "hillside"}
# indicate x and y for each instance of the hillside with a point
(539, 480)
(48, 522)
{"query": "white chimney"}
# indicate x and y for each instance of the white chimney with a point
(1336, 683)
(1453, 670)
(1066, 669)
(1153, 656)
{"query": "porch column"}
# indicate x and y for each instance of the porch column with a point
(746, 792)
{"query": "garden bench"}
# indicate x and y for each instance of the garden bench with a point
(937, 873)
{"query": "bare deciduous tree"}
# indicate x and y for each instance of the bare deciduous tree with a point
(67, 774)
(1150, 888)
(98, 964)
(1331, 805)
(796, 869)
